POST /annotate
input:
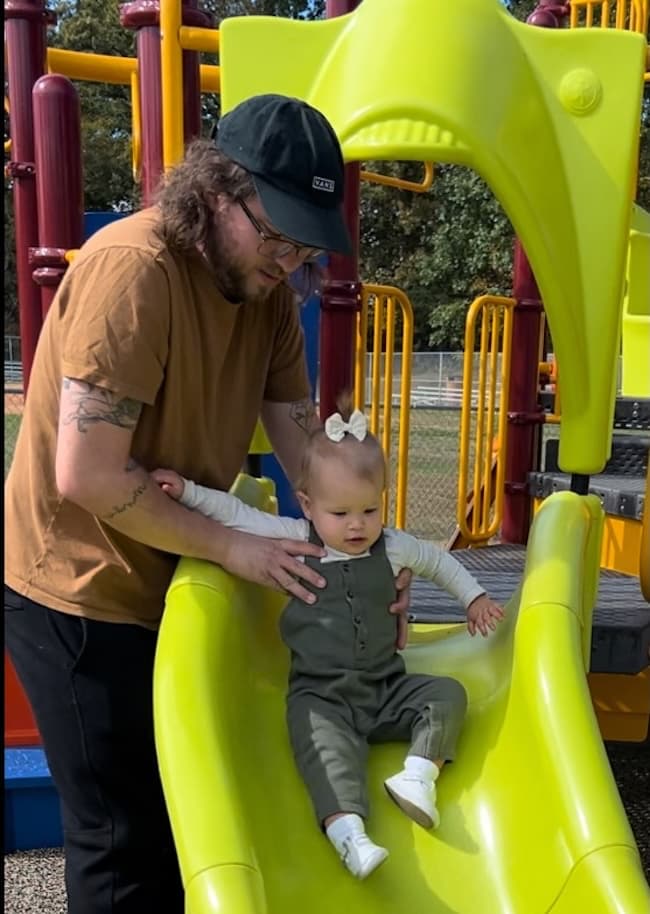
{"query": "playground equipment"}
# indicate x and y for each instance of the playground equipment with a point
(538, 830)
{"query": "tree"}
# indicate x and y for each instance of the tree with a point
(443, 247)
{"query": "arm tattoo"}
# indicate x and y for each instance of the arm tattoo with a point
(96, 404)
(135, 495)
(303, 413)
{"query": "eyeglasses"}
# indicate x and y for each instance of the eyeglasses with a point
(276, 247)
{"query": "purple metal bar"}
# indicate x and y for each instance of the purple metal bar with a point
(59, 180)
(550, 14)
(143, 16)
(25, 38)
(341, 299)
(191, 73)
(523, 414)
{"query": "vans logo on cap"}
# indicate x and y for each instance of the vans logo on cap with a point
(323, 184)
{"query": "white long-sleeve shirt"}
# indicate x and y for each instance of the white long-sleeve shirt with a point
(402, 549)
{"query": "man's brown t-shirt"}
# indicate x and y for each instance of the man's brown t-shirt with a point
(146, 325)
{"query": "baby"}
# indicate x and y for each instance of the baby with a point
(347, 683)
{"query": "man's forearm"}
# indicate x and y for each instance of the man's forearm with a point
(131, 502)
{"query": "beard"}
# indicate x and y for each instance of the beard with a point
(234, 281)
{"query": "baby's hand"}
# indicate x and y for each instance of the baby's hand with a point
(482, 614)
(170, 482)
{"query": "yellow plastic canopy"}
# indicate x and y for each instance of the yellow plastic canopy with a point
(549, 118)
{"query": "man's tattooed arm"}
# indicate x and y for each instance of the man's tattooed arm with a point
(129, 503)
(303, 413)
(84, 408)
(92, 404)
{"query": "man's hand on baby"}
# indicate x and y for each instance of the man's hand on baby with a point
(401, 606)
(483, 614)
(274, 563)
(170, 482)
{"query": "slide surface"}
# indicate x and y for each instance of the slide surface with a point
(531, 818)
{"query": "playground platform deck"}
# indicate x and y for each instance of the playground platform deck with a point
(621, 623)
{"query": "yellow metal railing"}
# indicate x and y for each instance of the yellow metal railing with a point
(176, 38)
(485, 491)
(626, 15)
(104, 68)
(89, 67)
(385, 300)
(418, 187)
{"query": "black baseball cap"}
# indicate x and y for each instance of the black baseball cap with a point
(295, 160)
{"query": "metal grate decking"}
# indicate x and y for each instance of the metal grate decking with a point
(621, 626)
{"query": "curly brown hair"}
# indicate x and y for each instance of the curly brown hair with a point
(184, 196)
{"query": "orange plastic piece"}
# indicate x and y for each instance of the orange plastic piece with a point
(622, 705)
(374, 177)
(20, 726)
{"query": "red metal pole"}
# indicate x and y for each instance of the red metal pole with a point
(341, 298)
(143, 16)
(524, 415)
(59, 181)
(191, 73)
(25, 37)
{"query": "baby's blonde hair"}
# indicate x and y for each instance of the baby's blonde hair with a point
(365, 458)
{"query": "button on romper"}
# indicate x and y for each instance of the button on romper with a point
(348, 686)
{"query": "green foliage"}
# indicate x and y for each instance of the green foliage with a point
(443, 247)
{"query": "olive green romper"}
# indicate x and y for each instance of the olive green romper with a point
(348, 686)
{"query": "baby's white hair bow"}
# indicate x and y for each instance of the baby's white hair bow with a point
(336, 427)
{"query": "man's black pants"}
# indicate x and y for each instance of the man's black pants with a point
(90, 687)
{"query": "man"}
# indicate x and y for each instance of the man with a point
(172, 331)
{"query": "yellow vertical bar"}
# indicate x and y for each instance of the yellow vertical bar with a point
(376, 363)
(404, 413)
(590, 15)
(360, 353)
(388, 388)
(136, 128)
(465, 419)
(506, 360)
(620, 14)
(573, 21)
(480, 421)
(489, 432)
(171, 62)
(604, 14)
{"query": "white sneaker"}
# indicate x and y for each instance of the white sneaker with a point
(416, 796)
(359, 854)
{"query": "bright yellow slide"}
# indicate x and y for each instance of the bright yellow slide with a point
(531, 818)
